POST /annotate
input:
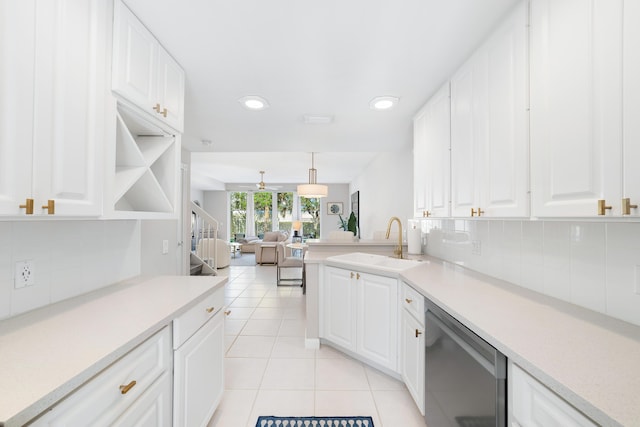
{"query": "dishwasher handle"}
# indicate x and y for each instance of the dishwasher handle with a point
(486, 364)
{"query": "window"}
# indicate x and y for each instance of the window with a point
(263, 212)
(238, 203)
(285, 211)
(310, 210)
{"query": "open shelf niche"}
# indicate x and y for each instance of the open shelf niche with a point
(146, 165)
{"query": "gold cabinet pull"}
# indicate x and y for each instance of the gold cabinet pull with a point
(478, 212)
(408, 300)
(164, 112)
(125, 388)
(157, 108)
(210, 309)
(627, 206)
(602, 207)
(426, 214)
(473, 212)
(358, 276)
(352, 274)
(28, 206)
(418, 333)
(50, 207)
(228, 312)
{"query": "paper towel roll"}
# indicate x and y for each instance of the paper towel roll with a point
(414, 240)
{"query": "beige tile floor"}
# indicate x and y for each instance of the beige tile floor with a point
(269, 372)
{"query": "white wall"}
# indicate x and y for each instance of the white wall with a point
(591, 264)
(336, 193)
(70, 258)
(216, 204)
(152, 234)
(386, 190)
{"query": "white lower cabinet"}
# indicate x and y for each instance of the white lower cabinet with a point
(199, 362)
(412, 350)
(134, 391)
(534, 405)
(359, 312)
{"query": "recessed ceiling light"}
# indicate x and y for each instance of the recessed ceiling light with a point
(253, 102)
(383, 102)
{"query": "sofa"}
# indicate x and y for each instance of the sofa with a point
(248, 244)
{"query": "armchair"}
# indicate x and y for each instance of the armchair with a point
(266, 248)
(288, 262)
(205, 250)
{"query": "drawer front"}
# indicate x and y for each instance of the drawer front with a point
(188, 323)
(413, 302)
(104, 398)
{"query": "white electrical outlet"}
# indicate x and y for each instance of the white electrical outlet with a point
(24, 274)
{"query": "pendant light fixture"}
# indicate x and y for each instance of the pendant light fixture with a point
(312, 189)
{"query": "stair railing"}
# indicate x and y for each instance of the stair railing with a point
(204, 226)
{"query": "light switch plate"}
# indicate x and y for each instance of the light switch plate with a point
(165, 247)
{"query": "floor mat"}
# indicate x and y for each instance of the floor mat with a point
(271, 421)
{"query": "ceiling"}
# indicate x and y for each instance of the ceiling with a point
(328, 57)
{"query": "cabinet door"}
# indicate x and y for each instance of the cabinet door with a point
(468, 134)
(339, 307)
(199, 375)
(171, 90)
(152, 409)
(631, 106)
(70, 90)
(437, 163)
(534, 405)
(576, 101)
(420, 156)
(489, 127)
(17, 44)
(504, 173)
(412, 353)
(377, 321)
(135, 60)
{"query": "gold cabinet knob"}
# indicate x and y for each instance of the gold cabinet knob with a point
(418, 333)
(28, 206)
(426, 214)
(602, 207)
(408, 300)
(125, 388)
(50, 207)
(357, 276)
(228, 312)
(209, 309)
(352, 274)
(627, 206)
(164, 112)
(157, 108)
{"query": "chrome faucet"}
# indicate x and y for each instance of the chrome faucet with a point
(398, 250)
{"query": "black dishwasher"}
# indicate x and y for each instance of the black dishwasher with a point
(465, 377)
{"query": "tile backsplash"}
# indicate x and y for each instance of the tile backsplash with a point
(70, 258)
(592, 264)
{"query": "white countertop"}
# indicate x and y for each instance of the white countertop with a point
(591, 360)
(47, 353)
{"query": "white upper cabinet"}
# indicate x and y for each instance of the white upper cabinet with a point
(576, 106)
(143, 72)
(431, 156)
(631, 106)
(54, 78)
(489, 125)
